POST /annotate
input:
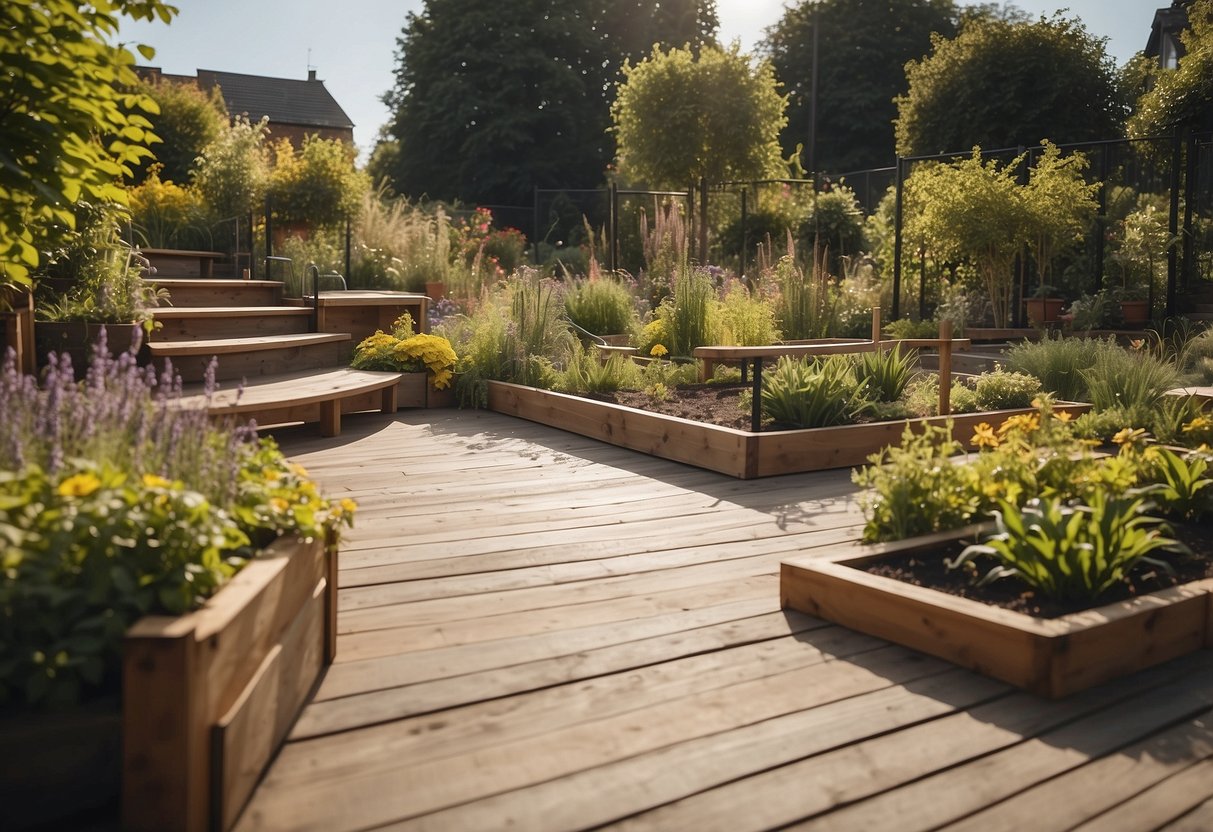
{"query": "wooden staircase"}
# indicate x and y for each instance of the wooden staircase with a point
(270, 365)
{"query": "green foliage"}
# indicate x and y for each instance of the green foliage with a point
(601, 305)
(1124, 380)
(1059, 207)
(1181, 485)
(910, 329)
(492, 99)
(746, 318)
(403, 247)
(1059, 362)
(319, 184)
(1142, 240)
(862, 49)
(884, 374)
(1007, 84)
(915, 488)
(1093, 311)
(402, 350)
(70, 129)
(232, 172)
(1071, 552)
(835, 223)
(689, 316)
(1182, 98)
(972, 211)
(1002, 390)
(589, 372)
(188, 121)
(804, 305)
(813, 394)
(685, 114)
(107, 284)
(166, 215)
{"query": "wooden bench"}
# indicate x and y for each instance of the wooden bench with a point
(293, 397)
(182, 262)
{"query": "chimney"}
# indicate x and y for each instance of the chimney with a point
(311, 75)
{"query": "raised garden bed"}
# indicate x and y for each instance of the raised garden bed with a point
(739, 453)
(208, 698)
(1052, 657)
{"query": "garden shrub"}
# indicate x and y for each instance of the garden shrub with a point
(1003, 390)
(1059, 362)
(601, 305)
(813, 394)
(746, 318)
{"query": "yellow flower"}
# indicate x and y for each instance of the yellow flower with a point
(279, 505)
(79, 485)
(1063, 415)
(983, 436)
(1024, 422)
(658, 351)
(348, 505)
(1129, 436)
(154, 481)
(297, 469)
(1198, 423)
(271, 474)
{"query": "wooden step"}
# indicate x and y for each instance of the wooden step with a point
(211, 292)
(256, 356)
(191, 323)
(309, 397)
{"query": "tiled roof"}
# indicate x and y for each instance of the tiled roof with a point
(284, 100)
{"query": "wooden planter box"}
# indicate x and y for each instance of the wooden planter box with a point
(77, 339)
(738, 453)
(1050, 657)
(210, 696)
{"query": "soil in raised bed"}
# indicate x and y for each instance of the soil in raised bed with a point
(716, 404)
(930, 570)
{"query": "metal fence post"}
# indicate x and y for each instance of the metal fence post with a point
(897, 242)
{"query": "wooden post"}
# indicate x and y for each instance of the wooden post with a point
(876, 327)
(19, 326)
(945, 367)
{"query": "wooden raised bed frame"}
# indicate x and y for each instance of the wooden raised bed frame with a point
(1050, 657)
(738, 453)
(209, 696)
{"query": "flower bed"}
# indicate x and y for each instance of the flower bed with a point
(738, 453)
(1051, 657)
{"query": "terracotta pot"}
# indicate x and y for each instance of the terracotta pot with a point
(435, 290)
(1044, 310)
(1135, 312)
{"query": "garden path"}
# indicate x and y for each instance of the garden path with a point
(538, 631)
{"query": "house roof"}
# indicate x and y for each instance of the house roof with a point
(284, 100)
(1168, 22)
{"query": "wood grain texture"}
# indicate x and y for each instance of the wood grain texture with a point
(539, 631)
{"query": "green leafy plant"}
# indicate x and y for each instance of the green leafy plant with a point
(1071, 552)
(319, 184)
(1003, 390)
(1180, 487)
(916, 488)
(813, 394)
(589, 372)
(601, 305)
(885, 373)
(1127, 380)
(746, 318)
(804, 306)
(689, 315)
(1059, 361)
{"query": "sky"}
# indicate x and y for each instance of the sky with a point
(351, 43)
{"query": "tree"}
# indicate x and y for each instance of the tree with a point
(1006, 84)
(679, 117)
(232, 171)
(1059, 206)
(1182, 98)
(972, 211)
(862, 49)
(319, 184)
(68, 131)
(493, 99)
(188, 121)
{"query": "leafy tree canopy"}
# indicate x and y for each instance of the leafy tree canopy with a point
(862, 49)
(69, 131)
(493, 99)
(679, 117)
(1182, 98)
(233, 170)
(1008, 84)
(189, 120)
(318, 184)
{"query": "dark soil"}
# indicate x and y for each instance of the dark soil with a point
(716, 404)
(930, 570)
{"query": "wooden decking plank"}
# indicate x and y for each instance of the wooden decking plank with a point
(382, 637)
(954, 794)
(629, 787)
(374, 796)
(1124, 790)
(685, 634)
(437, 658)
(1199, 819)
(1160, 804)
(484, 724)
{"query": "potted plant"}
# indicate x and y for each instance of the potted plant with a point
(94, 280)
(1045, 305)
(1143, 243)
(429, 361)
(124, 523)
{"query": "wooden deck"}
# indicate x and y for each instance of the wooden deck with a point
(538, 632)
